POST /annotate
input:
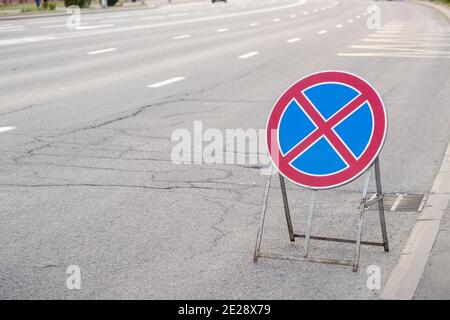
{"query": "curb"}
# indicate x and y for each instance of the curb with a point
(442, 8)
(86, 11)
(405, 277)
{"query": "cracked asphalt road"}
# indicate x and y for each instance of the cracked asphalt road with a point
(87, 178)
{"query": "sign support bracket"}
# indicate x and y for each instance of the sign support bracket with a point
(365, 204)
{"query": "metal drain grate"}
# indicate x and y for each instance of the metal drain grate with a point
(402, 201)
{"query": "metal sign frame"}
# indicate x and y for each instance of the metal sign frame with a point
(364, 205)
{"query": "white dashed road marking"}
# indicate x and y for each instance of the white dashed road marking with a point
(293, 40)
(222, 30)
(166, 82)
(322, 31)
(102, 51)
(4, 129)
(184, 36)
(248, 55)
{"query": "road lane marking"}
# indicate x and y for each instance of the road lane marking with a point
(116, 20)
(292, 16)
(339, 26)
(12, 30)
(121, 15)
(254, 24)
(102, 51)
(358, 17)
(173, 15)
(54, 26)
(293, 40)
(10, 26)
(184, 36)
(4, 129)
(151, 18)
(222, 30)
(305, 13)
(349, 20)
(166, 82)
(94, 27)
(24, 40)
(322, 31)
(391, 55)
(276, 20)
(248, 55)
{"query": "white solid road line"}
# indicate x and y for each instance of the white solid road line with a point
(102, 51)
(166, 82)
(151, 18)
(222, 30)
(116, 20)
(8, 27)
(12, 30)
(293, 40)
(54, 26)
(322, 31)
(8, 42)
(404, 279)
(177, 15)
(248, 55)
(94, 27)
(4, 129)
(184, 36)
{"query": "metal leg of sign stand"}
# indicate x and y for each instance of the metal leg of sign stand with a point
(381, 205)
(365, 204)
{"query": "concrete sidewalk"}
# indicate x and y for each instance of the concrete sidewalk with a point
(435, 281)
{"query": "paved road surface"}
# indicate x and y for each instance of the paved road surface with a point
(87, 178)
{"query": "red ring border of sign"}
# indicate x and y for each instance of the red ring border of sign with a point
(366, 158)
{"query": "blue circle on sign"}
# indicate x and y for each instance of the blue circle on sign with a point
(323, 157)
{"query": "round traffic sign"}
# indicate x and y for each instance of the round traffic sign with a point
(326, 129)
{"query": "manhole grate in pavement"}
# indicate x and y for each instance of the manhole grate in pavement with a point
(402, 201)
